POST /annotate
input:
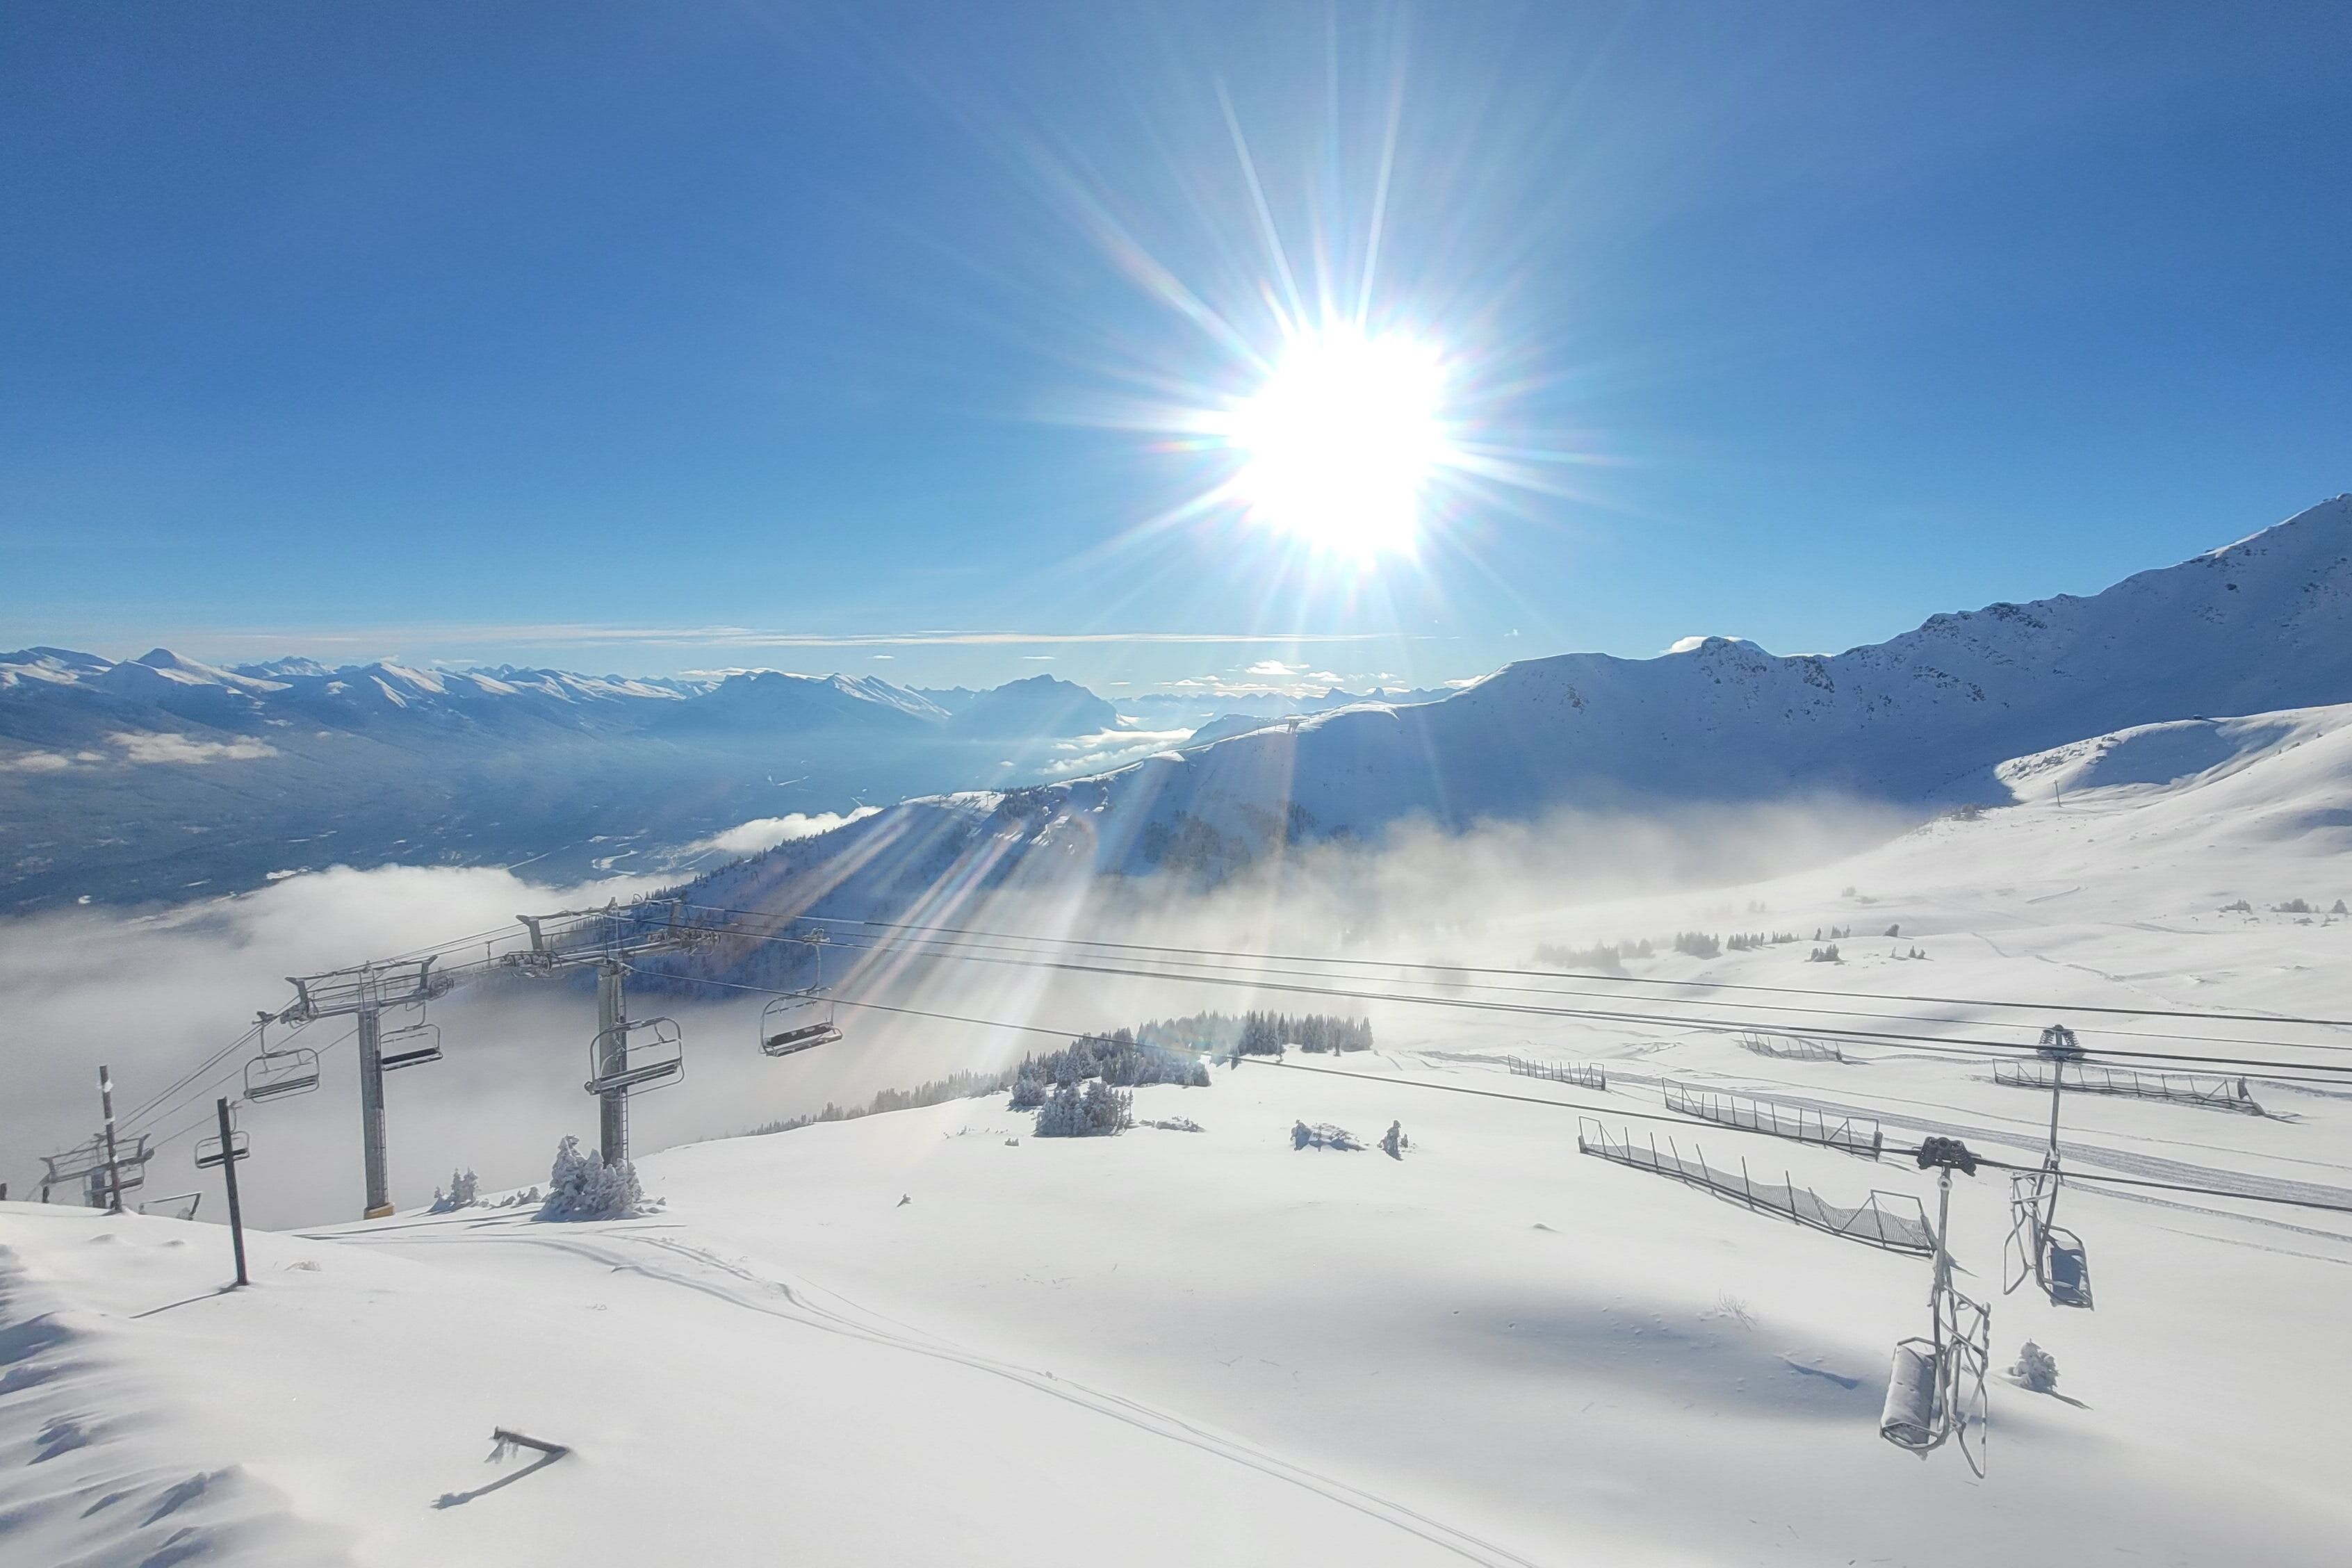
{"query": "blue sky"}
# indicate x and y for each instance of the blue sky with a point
(660, 338)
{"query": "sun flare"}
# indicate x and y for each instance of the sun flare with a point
(1340, 441)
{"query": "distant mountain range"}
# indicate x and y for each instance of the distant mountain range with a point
(162, 777)
(1921, 721)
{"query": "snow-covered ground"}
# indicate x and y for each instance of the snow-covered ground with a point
(929, 1336)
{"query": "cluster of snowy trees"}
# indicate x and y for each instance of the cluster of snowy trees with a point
(581, 1186)
(1265, 1033)
(1197, 1031)
(465, 1192)
(1118, 1059)
(1750, 940)
(1097, 1110)
(1602, 960)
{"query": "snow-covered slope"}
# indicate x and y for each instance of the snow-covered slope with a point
(931, 1336)
(2262, 625)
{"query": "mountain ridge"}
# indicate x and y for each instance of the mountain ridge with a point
(1920, 721)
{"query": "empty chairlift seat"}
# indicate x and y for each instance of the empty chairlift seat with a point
(410, 1047)
(648, 1053)
(275, 1074)
(790, 1024)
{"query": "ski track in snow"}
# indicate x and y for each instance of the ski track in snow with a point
(756, 1292)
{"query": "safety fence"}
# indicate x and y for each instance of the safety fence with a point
(1581, 1077)
(2080, 1078)
(1852, 1135)
(1789, 1048)
(1894, 1221)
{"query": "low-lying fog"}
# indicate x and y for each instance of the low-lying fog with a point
(153, 997)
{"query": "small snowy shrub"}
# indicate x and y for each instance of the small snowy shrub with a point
(462, 1192)
(581, 1186)
(1393, 1142)
(2036, 1368)
(1322, 1135)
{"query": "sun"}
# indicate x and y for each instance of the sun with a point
(1340, 441)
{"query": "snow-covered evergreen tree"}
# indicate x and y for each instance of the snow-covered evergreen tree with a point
(582, 1186)
(1064, 1114)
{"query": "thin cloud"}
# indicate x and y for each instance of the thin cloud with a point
(746, 637)
(181, 748)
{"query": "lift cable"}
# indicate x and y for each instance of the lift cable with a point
(1259, 981)
(2199, 1016)
(1206, 973)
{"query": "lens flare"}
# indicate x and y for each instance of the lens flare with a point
(1340, 441)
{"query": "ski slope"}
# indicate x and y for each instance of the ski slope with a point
(930, 1336)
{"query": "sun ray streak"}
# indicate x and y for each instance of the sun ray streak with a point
(1275, 252)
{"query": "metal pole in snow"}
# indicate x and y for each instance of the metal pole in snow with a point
(371, 1149)
(113, 1171)
(228, 1172)
(612, 1058)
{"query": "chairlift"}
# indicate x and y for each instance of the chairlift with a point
(779, 1036)
(646, 1053)
(209, 1153)
(179, 1205)
(2053, 1256)
(412, 1046)
(278, 1074)
(780, 1033)
(1935, 1385)
(2039, 1248)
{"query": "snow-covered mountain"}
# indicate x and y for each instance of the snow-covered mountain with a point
(162, 776)
(1921, 720)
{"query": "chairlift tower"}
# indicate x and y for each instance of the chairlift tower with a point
(364, 994)
(605, 940)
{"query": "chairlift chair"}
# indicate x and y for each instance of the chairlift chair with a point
(412, 1046)
(179, 1205)
(209, 1153)
(1935, 1385)
(278, 1074)
(650, 1054)
(780, 1035)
